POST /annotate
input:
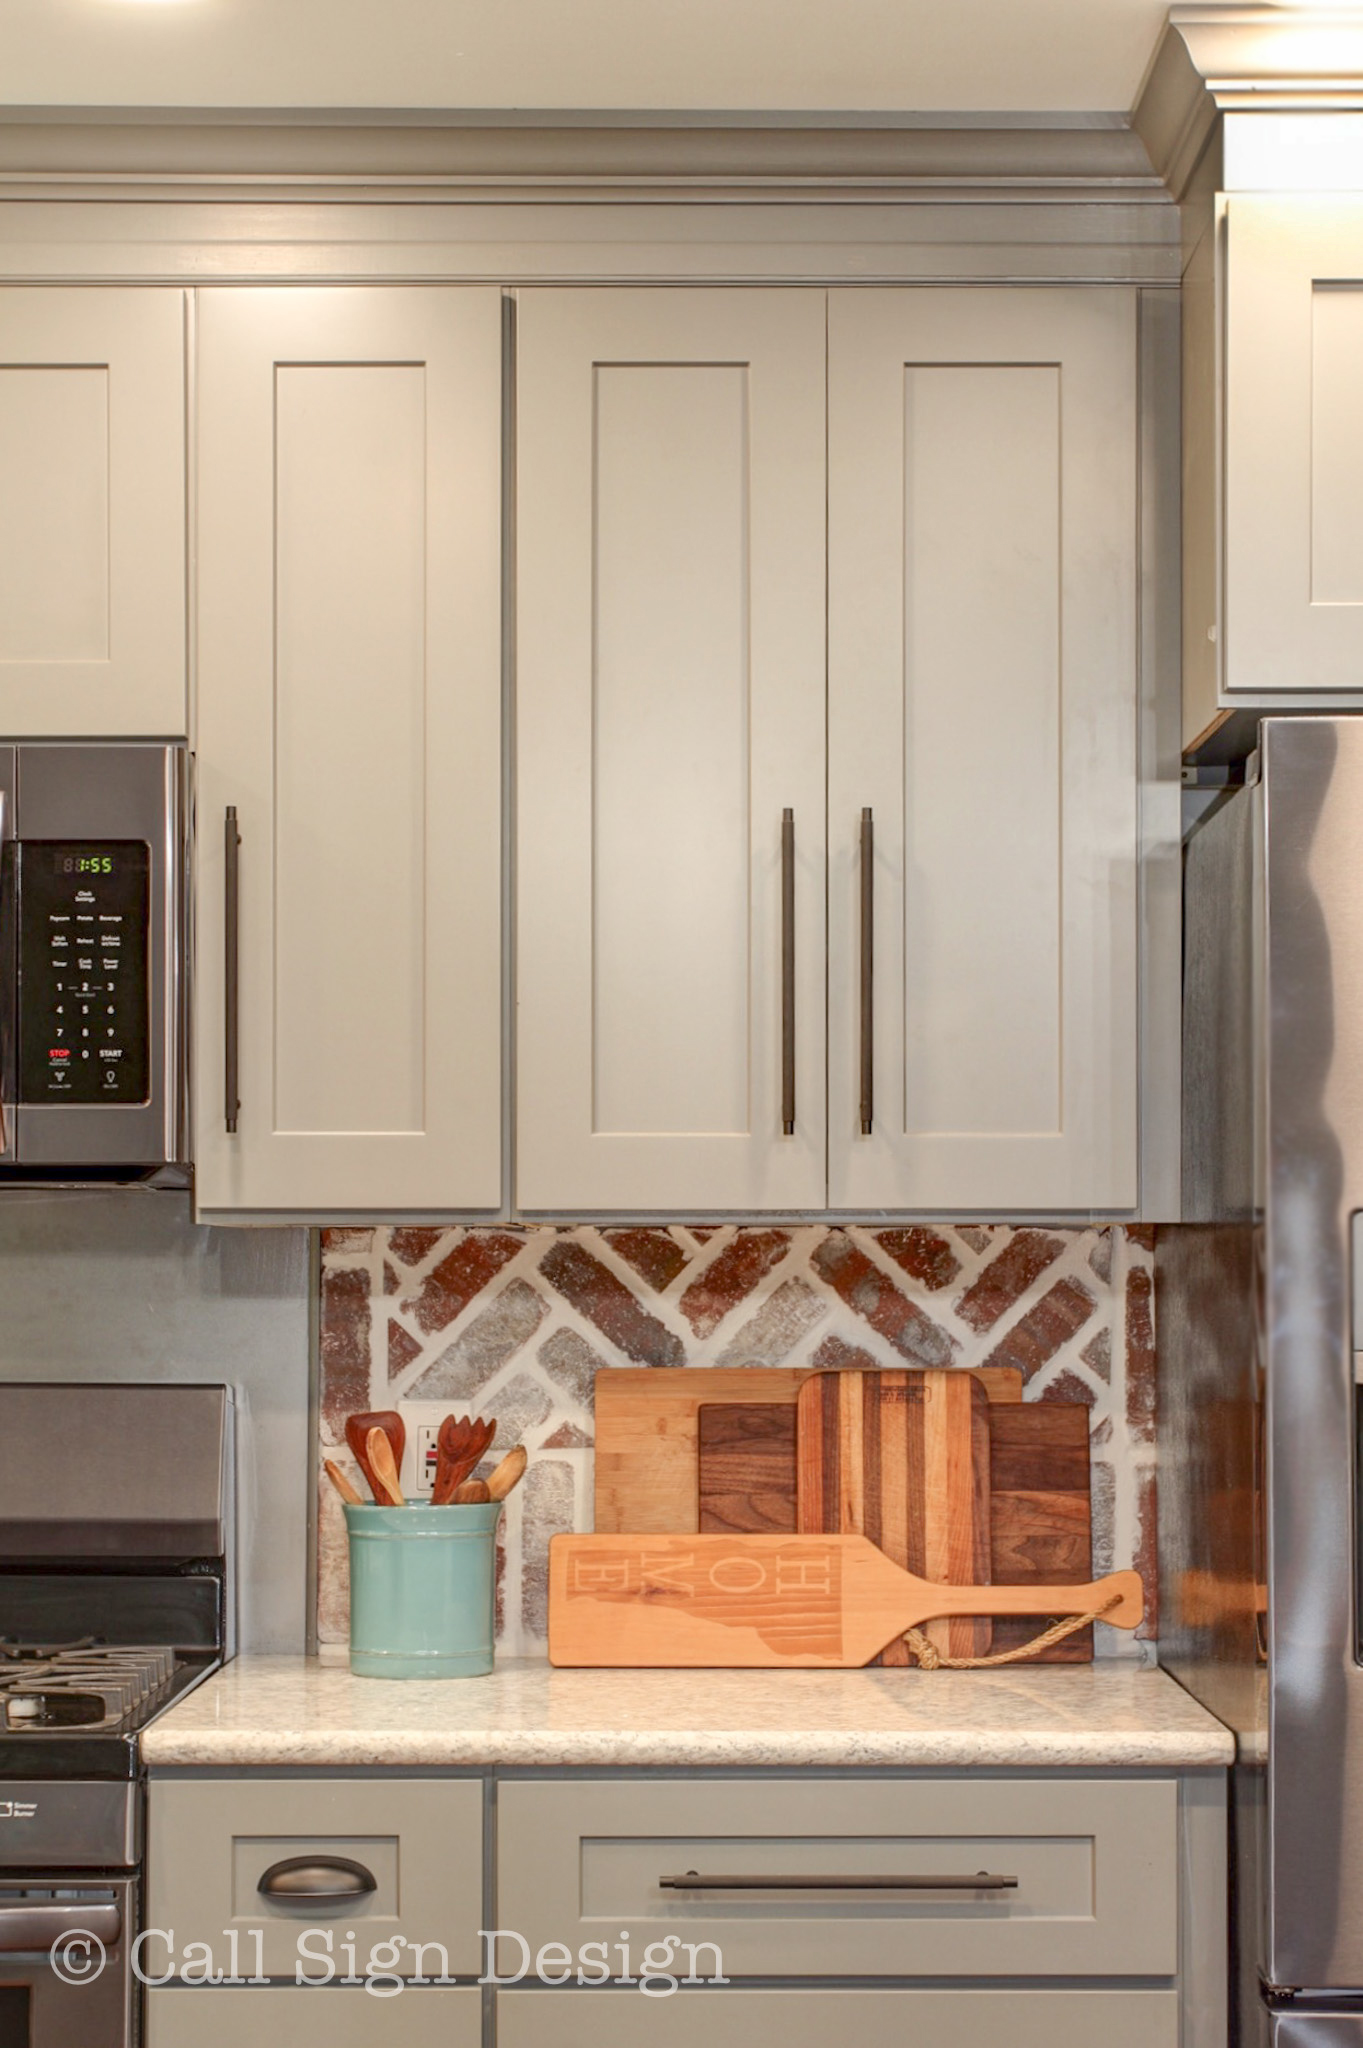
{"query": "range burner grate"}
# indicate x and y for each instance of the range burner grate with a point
(88, 1685)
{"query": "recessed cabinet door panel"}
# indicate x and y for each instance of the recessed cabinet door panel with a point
(1294, 445)
(349, 708)
(982, 708)
(670, 708)
(92, 512)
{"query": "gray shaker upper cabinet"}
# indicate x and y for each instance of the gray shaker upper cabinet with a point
(349, 713)
(677, 697)
(92, 512)
(1273, 452)
(982, 709)
(670, 712)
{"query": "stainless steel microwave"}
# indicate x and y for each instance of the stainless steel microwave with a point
(93, 868)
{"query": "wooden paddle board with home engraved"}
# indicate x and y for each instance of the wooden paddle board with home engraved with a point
(903, 1457)
(760, 1602)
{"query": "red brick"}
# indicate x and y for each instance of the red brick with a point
(1140, 1357)
(464, 1272)
(874, 1297)
(1067, 1386)
(731, 1277)
(605, 1301)
(1097, 1355)
(410, 1246)
(1142, 1234)
(1007, 1278)
(391, 1283)
(1033, 1341)
(924, 1254)
(402, 1349)
(833, 1355)
(344, 1347)
(568, 1437)
(346, 1241)
(654, 1254)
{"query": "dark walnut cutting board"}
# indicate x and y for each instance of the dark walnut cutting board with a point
(1039, 1511)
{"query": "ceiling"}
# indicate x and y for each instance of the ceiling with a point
(835, 56)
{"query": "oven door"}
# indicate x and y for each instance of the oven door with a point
(64, 1961)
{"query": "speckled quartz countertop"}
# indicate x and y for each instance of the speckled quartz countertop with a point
(298, 1711)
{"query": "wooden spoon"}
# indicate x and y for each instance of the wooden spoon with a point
(342, 1484)
(473, 1493)
(458, 1449)
(379, 1453)
(357, 1436)
(504, 1476)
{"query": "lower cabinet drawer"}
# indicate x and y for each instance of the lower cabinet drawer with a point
(416, 1842)
(313, 2018)
(1093, 1864)
(814, 2019)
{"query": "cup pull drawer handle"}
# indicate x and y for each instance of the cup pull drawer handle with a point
(982, 1881)
(26, 1928)
(317, 1877)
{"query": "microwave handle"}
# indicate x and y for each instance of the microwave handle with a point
(231, 978)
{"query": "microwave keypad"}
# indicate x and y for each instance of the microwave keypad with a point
(84, 999)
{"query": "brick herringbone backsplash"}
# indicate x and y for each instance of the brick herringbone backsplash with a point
(513, 1323)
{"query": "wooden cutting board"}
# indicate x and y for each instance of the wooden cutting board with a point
(903, 1458)
(1039, 1513)
(647, 1433)
(756, 1602)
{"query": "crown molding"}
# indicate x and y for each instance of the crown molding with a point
(1216, 60)
(67, 153)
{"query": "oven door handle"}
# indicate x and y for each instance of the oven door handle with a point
(26, 1928)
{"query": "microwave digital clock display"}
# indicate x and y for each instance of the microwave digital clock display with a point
(84, 994)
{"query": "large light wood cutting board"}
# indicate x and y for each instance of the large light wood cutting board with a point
(647, 1430)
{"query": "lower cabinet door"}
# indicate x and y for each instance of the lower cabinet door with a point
(317, 2017)
(814, 2019)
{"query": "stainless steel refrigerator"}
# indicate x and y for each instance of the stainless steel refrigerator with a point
(1260, 1304)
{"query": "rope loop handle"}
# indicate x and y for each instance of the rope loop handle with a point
(930, 1658)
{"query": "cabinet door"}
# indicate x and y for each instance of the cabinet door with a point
(670, 709)
(92, 512)
(349, 709)
(982, 707)
(1293, 446)
(286, 2016)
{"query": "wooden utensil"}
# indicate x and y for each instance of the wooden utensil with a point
(508, 1474)
(903, 1457)
(342, 1484)
(745, 1468)
(379, 1452)
(472, 1492)
(458, 1448)
(357, 1436)
(647, 1432)
(755, 1602)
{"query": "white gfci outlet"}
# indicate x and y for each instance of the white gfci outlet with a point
(424, 1476)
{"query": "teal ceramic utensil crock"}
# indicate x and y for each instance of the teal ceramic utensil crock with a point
(421, 1589)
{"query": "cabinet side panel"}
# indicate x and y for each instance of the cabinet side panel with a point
(1336, 444)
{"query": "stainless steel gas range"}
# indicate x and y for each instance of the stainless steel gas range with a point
(115, 1599)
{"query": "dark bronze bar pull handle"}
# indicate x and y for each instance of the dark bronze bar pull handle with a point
(982, 1881)
(868, 945)
(232, 894)
(329, 1879)
(788, 973)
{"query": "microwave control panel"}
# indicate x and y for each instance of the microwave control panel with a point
(84, 994)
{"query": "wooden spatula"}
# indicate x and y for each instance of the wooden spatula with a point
(458, 1448)
(379, 1456)
(357, 1436)
(759, 1601)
